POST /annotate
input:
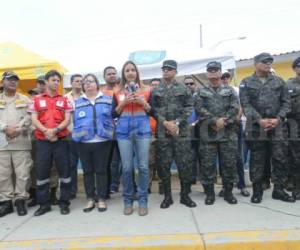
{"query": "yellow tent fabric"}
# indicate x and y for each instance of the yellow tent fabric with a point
(26, 64)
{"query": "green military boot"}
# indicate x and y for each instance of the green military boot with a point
(279, 194)
(168, 200)
(184, 195)
(210, 194)
(257, 192)
(228, 196)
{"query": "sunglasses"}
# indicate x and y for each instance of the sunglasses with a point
(189, 83)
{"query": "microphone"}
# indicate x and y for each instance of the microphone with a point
(132, 87)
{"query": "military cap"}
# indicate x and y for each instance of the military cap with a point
(214, 65)
(263, 57)
(296, 63)
(169, 64)
(9, 74)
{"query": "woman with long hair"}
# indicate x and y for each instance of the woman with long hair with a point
(134, 135)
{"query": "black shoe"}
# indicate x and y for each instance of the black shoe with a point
(256, 198)
(53, 198)
(210, 194)
(32, 202)
(280, 194)
(186, 200)
(64, 210)
(42, 210)
(230, 198)
(73, 196)
(168, 201)
(6, 207)
(257, 193)
(296, 195)
(21, 208)
(221, 193)
(88, 209)
(244, 192)
(149, 190)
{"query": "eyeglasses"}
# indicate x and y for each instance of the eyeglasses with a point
(189, 83)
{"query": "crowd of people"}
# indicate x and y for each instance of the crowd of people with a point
(128, 125)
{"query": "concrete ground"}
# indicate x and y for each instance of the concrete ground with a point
(269, 225)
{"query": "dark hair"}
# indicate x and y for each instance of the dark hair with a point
(74, 76)
(123, 80)
(155, 80)
(93, 76)
(52, 73)
(107, 68)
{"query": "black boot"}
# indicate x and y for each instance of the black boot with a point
(32, 198)
(53, 197)
(279, 194)
(6, 207)
(168, 201)
(184, 195)
(257, 192)
(21, 208)
(296, 190)
(228, 196)
(210, 194)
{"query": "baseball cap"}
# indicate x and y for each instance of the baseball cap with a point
(214, 65)
(263, 57)
(9, 74)
(169, 64)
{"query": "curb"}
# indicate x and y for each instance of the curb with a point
(247, 240)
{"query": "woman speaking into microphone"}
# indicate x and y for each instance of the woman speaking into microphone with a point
(134, 135)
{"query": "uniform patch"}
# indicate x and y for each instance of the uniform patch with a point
(81, 114)
(242, 85)
(60, 103)
(43, 103)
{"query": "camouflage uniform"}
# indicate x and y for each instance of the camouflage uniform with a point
(294, 133)
(266, 100)
(212, 104)
(169, 103)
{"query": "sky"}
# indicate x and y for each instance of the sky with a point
(87, 35)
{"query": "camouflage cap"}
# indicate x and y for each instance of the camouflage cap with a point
(169, 64)
(214, 65)
(263, 57)
(296, 63)
(9, 74)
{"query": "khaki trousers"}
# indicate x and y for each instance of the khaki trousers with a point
(14, 164)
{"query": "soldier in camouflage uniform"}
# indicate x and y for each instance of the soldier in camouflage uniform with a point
(294, 128)
(217, 105)
(265, 101)
(172, 104)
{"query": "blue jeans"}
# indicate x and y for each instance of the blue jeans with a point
(127, 148)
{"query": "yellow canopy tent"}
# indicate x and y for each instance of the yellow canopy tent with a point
(28, 65)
